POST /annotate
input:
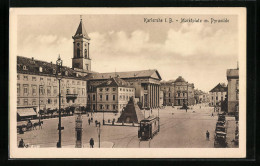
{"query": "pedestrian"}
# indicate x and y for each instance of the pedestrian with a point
(96, 122)
(207, 135)
(88, 121)
(212, 115)
(91, 143)
(21, 144)
(151, 111)
(186, 109)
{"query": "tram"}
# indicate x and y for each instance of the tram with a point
(148, 128)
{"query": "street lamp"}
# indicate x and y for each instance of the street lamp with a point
(59, 77)
(99, 131)
(40, 86)
(103, 115)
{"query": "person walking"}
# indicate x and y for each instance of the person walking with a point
(207, 135)
(88, 121)
(21, 144)
(91, 143)
(212, 115)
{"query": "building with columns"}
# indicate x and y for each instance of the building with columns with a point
(145, 82)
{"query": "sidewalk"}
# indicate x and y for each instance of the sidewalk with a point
(104, 144)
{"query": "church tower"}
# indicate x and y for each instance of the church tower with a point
(81, 59)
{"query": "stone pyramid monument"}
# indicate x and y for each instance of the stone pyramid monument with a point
(131, 113)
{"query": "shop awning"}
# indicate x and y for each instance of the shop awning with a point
(26, 112)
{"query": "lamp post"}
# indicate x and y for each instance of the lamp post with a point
(98, 134)
(103, 115)
(59, 77)
(40, 86)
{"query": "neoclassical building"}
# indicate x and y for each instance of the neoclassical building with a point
(145, 82)
(184, 92)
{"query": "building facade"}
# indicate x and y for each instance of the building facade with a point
(217, 94)
(112, 95)
(233, 90)
(167, 87)
(37, 85)
(145, 82)
(184, 92)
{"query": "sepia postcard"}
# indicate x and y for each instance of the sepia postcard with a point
(127, 83)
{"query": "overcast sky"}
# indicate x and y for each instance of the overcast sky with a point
(200, 52)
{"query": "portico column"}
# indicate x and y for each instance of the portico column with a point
(149, 95)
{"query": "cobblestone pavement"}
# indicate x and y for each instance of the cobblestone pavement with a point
(179, 129)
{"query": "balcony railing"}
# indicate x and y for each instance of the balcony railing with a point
(71, 95)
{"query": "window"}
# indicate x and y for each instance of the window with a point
(114, 89)
(124, 89)
(169, 100)
(49, 79)
(34, 78)
(120, 89)
(106, 97)
(78, 53)
(145, 87)
(169, 95)
(88, 97)
(74, 90)
(34, 102)
(55, 91)
(86, 53)
(78, 83)
(83, 91)
(100, 89)
(18, 77)
(25, 89)
(237, 96)
(18, 101)
(55, 101)
(41, 90)
(100, 96)
(127, 90)
(114, 97)
(114, 107)
(83, 83)
(94, 97)
(73, 82)
(34, 87)
(237, 85)
(107, 89)
(107, 107)
(25, 78)
(123, 97)
(127, 98)
(87, 66)
(18, 89)
(217, 98)
(101, 106)
(68, 91)
(48, 90)
(41, 79)
(25, 101)
(49, 101)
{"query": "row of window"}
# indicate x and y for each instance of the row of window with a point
(114, 89)
(47, 101)
(26, 78)
(109, 107)
(79, 91)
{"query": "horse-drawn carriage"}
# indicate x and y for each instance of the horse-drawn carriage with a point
(23, 126)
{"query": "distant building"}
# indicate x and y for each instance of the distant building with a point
(112, 95)
(184, 92)
(161, 99)
(167, 87)
(233, 90)
(217, 94)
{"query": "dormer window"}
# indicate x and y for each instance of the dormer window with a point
(24, 67)
(40, 69)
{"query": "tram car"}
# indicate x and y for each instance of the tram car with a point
(148, 128)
